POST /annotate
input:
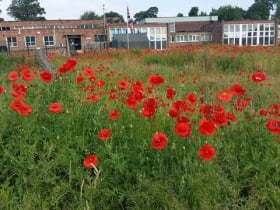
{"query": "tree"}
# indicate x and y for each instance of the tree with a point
(203, 13)
(193, 11)
(269, 3)
(113, 17)
(89, 15)
(277, 11)
(180, 14)
(258, 11)
(26, 10)
(228, 13)
(150, 13)
(1, 19)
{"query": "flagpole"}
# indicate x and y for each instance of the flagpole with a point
(127, 35)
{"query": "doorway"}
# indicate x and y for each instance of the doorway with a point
(74, 42)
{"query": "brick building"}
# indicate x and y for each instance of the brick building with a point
(156, 33)
(148, 35)
(52, 34)
(187, 30)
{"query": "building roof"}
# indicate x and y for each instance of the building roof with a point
(178, 19)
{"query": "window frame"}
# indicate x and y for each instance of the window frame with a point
(31, 42)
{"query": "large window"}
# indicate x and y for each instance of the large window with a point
(30, 41)
(172, 27)
(48, 41)
(206, 37)
(157, 37)
(193, 38)
(12, 41)
(181, 38)
(249, 34)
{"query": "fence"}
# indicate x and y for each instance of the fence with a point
(59, 50)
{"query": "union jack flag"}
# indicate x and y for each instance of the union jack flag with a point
(129, 20)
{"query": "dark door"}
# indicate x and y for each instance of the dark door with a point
(75, 42)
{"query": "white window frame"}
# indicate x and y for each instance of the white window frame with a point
(47, 41)
(12, 41)
(30, 43)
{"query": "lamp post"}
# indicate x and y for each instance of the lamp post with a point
(104, 24)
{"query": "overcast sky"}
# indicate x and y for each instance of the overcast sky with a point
(72, 9)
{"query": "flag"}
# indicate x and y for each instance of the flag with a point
(129, 20)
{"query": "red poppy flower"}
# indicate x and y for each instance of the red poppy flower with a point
(46, 76)
(19, 90)
(225, 95)
(138, 87)
(15, 104)
(206, 110)
(258, 76)
(145, 112)
(104, 134)
(159, 141)
(114, 114)
(55, 107)
(13, 76)
(123, 85)
(206, 152)
(149, 107)
(206, 128)
(113, 94)
(173, 113)
(182, 119)
(273, 126)
(93, 97)
(191, 98)
(20, 107)
(99, 84)
(90, 161)
(237, 90)
(24, 109)
(219, 119)
(241, 104)
(231, 117)
(70, 64)
(1, 90)
(88, 71)
(180, 105)
(27, 75)
(79, 79)
(155, 79)
(170, 93)
(182, 129)
(274, 109)
(263, 112)
(131, 102)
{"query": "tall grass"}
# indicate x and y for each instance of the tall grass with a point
(41, 155)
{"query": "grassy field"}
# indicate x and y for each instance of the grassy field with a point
(194, 127)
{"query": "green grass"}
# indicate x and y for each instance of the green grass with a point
(41, 155)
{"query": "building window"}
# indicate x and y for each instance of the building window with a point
(48, 40)
(172, 27)
(99, 38)
(250, 34)
(30, 41)
(207, 37)
(12, 41)
(172, 39)
(193, 38)
(5, 28)
(181, 38)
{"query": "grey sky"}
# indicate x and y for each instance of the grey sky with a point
(71, 9)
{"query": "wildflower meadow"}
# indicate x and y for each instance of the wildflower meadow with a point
(193, 127)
